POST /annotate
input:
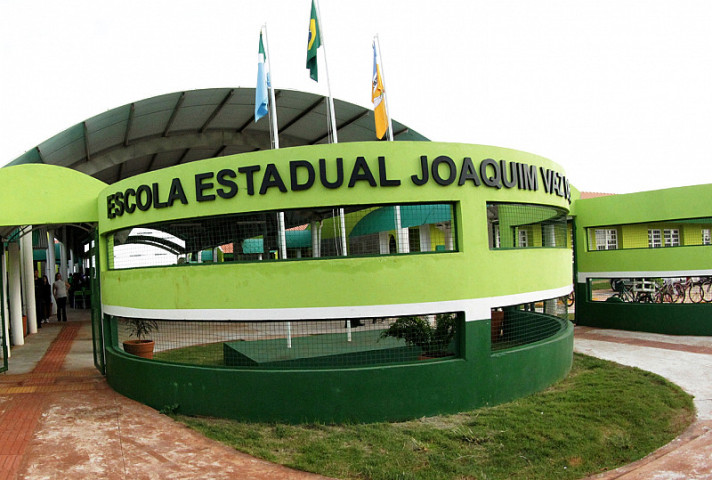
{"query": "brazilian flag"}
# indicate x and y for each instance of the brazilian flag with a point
(313, 44)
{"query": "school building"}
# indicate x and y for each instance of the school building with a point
(356, 281)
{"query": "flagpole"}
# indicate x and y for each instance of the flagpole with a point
(403, 234)
(270, 87)
(332, 115)
(332, 121)
(273, 119)
(274, 132)
(385, 90)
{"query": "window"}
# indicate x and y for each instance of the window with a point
(652, 234)
(523, 239)
(351, 231)
(521, 225)
(672, 237)
(548, 235)
(606, 239)
(669, 237)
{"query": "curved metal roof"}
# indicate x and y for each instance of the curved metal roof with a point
(182, 127)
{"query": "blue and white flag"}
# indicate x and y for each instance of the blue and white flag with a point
(262, 90)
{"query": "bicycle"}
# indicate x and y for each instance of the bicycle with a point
(688, 289)
(706, 285)
(624, 290)
(664, 293)
(570, 299)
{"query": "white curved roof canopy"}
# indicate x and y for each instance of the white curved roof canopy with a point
(193, 125)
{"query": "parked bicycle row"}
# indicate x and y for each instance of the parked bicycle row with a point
(653, 290)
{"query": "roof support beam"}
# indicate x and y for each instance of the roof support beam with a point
(343, 125)
(252, 118)
(129, 123)
(306, 112)
(86, 141)
(39, 154)
(119, 176)
(245, 125)
(180, 142)
(150, 163)
(169, 124)
(400, 132)
(217, 110)
(182, 157)
(219, 151)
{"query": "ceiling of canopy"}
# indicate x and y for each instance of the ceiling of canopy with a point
(182, 127)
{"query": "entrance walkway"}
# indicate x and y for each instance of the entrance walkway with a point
(60, 420)
(686, 361)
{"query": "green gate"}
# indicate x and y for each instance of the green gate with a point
(96, 323)
(3, 320)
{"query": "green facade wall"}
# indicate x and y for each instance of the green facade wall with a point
(332, 282)
(472, 279)
(687, 208)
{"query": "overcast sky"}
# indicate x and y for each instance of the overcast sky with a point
(618, 92)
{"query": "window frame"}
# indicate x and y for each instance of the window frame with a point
(609, 237)
(655, 238)
(671, 237)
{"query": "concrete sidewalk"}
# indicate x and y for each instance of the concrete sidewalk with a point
(60, 420)
(686, 361)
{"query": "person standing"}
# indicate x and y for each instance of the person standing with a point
(45, 299)
(59, 290)
(38, 299)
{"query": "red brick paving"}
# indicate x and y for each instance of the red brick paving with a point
(28, 399)
(588, 334)
(21, 412)
(70, 425)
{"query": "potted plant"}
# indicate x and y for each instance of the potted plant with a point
(140, 328)
(418, 331)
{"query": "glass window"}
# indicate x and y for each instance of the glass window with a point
(548, 235)
(523, 239)
(292, 234)
(672, 237)
(653, 234)
(606, 239)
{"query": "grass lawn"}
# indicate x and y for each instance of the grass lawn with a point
(601, 416)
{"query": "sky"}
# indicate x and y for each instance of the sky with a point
(617, 92)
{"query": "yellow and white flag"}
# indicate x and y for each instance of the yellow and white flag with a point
(377, 97)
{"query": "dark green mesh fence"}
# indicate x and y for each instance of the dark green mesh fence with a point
(303, 343)
(517, 325)
(519, 225)
(651, 290)
(291, 234)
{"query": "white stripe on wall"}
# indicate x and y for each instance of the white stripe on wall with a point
(475, 309)
(583, 276)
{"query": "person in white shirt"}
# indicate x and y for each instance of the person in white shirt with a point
(59, 290)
